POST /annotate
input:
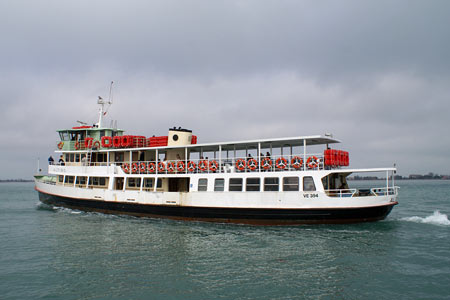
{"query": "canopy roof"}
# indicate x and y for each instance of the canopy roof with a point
(266, 143)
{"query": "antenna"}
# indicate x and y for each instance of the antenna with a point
(102, 111)
(110, 101)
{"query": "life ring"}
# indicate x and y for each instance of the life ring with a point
(88, 142)
(106, 139)
(116, 141)
(170, 166)
(281, 163)
(134, 168)
(312, 162)
(161, 167)
(213, 165)
(203, 165)
(191, 166)
(126, 168)
(151, 167)
(252, 164)
(296, 162)
(77, 145)
(96, 145)
(240, 164)
(266, 163)
(142, 167)
(60, 145)
(180, 166)
(125, 141)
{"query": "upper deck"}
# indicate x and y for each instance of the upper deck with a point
(138, 155)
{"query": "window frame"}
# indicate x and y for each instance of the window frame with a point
(269, 187)
(285, 184)
(247, 184)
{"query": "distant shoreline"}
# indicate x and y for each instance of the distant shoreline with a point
(15, 180)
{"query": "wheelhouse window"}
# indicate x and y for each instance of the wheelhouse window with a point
(271, 184)
(290, 184)
(202, 185)
(308, 184)
(253, 185)
(219, 184)
(235, 185)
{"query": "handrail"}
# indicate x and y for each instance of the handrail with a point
(362, 192)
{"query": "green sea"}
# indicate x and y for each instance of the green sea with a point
(53, 253)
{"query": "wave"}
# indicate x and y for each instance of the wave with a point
(437, 218)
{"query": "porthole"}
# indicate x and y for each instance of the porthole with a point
(175, 137)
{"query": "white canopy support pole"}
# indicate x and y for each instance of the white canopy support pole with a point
(185, 159)
(220, 158)
(304, 154)
(387, 182)
(259, 156)
(156, 161)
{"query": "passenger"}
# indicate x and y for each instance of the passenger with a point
(249, 157)
(51, 160)
(142, 156)
(61, 161)
(83, 160)
(178, 157)
(268, 154)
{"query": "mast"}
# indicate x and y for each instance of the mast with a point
(102, 111)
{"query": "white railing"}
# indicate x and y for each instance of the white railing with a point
(227, 165)
(362, 192)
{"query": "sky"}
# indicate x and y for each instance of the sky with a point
(375, 74)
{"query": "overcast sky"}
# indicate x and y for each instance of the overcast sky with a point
(376, 74)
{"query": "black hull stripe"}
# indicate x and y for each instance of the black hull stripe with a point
(226, 215)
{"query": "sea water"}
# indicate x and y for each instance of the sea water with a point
(52, 253)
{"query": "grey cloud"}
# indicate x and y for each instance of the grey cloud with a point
(376, 74)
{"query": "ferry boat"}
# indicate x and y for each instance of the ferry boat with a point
(279, 181)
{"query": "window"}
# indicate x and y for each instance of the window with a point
(159, 183)
(219, 184)
(308, 184)
(235, 185)
(69, 179)
(60, 178)
(134, 182)
(290, 184)
(148, 183)
(77, 157)
(271, 184)
(97, 181)
(252, 185)
(72, 157)
(203, 185)
(81, 180)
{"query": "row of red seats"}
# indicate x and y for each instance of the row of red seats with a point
(335, 158)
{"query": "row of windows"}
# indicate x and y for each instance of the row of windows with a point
(254, 184)
(81, 180)
(148, 183)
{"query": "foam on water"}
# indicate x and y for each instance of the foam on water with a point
(437, 218)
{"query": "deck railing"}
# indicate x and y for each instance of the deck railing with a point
(361, 192)
(276, 163)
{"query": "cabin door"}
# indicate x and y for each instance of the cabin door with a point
(178, 184)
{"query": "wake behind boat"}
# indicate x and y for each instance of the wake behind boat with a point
(278, 181)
